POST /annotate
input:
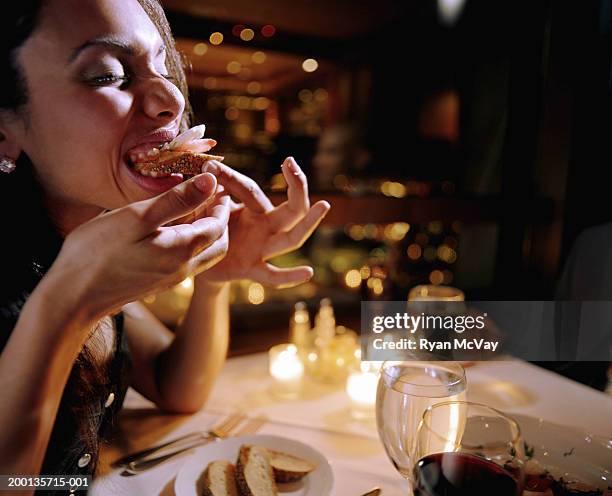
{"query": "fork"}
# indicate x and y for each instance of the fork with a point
(215, 432)
(136, 467)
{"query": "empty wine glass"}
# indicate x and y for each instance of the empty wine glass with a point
(405, 391)
(466, 449)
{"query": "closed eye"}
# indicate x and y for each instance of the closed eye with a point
(108, 80)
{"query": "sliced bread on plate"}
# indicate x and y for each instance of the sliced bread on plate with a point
(254, 473)
(289, 468)
(220, 479)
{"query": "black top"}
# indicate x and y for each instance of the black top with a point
(93, 394)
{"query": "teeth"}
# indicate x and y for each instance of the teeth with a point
(153, 152)
(141, 156)
(152, 173)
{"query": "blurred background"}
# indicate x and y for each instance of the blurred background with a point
(459, 142)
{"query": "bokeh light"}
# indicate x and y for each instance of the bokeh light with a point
(210, 83)
(216, 38)
(243, 102)
(200, 48)
(268, 31)
(356, 232)
(253, 88)
(232, 113)
(310, 65)
(321, 95)
(352, 278)
(396, 231)
(247, 34)
(436, 277)
(256, 293)
(261, 103)
(414, 251)
(305, 96)
(234, 67)
(258, 57)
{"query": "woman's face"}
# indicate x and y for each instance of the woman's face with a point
(95, 71)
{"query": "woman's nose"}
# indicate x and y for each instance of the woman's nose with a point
(162, 99)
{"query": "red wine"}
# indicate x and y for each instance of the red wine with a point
(461, 474)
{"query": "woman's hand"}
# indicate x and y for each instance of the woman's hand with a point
(259, 231)
(128, 253)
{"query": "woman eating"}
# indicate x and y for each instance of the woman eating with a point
(84, 84)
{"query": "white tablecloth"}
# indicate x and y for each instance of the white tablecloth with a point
(321, 418)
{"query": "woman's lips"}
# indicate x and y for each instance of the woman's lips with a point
(153, 184)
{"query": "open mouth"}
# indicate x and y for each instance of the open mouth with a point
(179, 158)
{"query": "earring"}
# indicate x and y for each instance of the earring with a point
(7, 165)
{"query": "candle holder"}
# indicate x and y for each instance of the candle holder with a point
(361, 388)
(287, 370)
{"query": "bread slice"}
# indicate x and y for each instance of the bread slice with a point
(172, 161)
(220, 479)
(289, 468)
(254, 473)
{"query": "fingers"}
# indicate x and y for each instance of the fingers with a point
(194, 237)
(242, 187)
(288, 214)
(211, 255)
(270, 275)
(220, 209)
(209, 229)
(284, 242)
(174, 203)
(202, 210)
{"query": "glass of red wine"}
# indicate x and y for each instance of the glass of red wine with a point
(466, 449)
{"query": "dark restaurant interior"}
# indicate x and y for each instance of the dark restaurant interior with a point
(459, 142)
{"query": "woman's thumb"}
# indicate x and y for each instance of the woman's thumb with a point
(178, 201)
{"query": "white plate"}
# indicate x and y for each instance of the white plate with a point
(317, 483)
(568, 451)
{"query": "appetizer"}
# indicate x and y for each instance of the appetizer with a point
(185, 154)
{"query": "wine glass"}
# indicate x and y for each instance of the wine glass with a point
(465, 449)
(405, 390)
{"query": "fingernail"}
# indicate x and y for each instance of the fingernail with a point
(210, 167)
(206, 183)
(292, 164)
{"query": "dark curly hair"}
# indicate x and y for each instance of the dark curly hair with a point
(22, 209)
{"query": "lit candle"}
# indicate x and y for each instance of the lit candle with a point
(286, 370)
(361, 389)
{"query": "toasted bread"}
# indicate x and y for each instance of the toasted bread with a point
(173, 161)
(289, 468)
(254, 473)
(220, 479)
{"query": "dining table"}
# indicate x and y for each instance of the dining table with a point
(321, 418)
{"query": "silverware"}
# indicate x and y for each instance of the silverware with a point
(192, 439)
(136, 467)
(373, 492)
